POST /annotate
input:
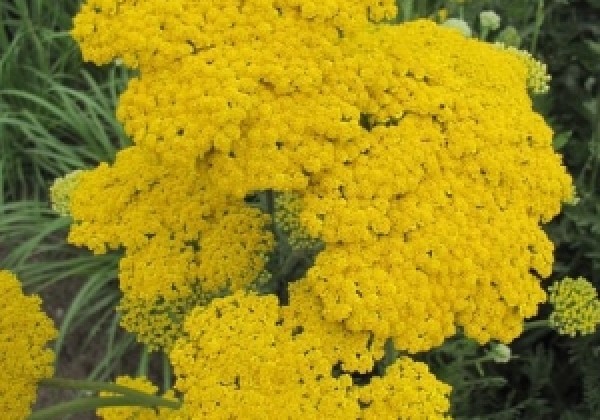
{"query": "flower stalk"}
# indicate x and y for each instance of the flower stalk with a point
(127, 397)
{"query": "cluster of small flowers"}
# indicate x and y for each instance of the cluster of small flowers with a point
(423, 172)
(576, 306)
(431, 215)
(261, 360)
(182, 242)
(24, 359)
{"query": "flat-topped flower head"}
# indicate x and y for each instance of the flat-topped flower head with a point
(412, 152)
(25, 331)
(246, 357)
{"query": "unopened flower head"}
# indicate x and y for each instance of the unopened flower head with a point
(61, 189)
(442, 15)
(510, 37)
(500, 352)
(489, 19)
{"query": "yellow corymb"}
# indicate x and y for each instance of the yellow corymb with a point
(413, 155)
(24, 357)
(244, 357)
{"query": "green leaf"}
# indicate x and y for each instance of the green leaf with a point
(593, 46)
(561, 139)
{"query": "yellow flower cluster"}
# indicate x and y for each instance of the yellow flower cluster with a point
(576, 306)
(422, 396)
(24, 359)
(60, 192)
(431, 215)
(135, 413)
(411, 152)
(247, 357)
(182, 243)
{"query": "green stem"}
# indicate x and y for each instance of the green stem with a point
(539, 20)
(596, 154)
(407, 10)
(133, 396)
(542, 323)
(143, 365)
(421, 8)
(484, 33)
(481, 359)
(166, 373)
(59, 411)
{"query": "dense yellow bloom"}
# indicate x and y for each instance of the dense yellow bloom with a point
(576, 306)
(135, 413)
(24, 359)
(244, 357)
(407, 391)
(162, 216)
(412, 153)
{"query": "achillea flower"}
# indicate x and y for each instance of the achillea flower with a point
(576, 306)
(245, 357)
(422, 396)
(426, 175)
(24, 359)
(183, 244)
